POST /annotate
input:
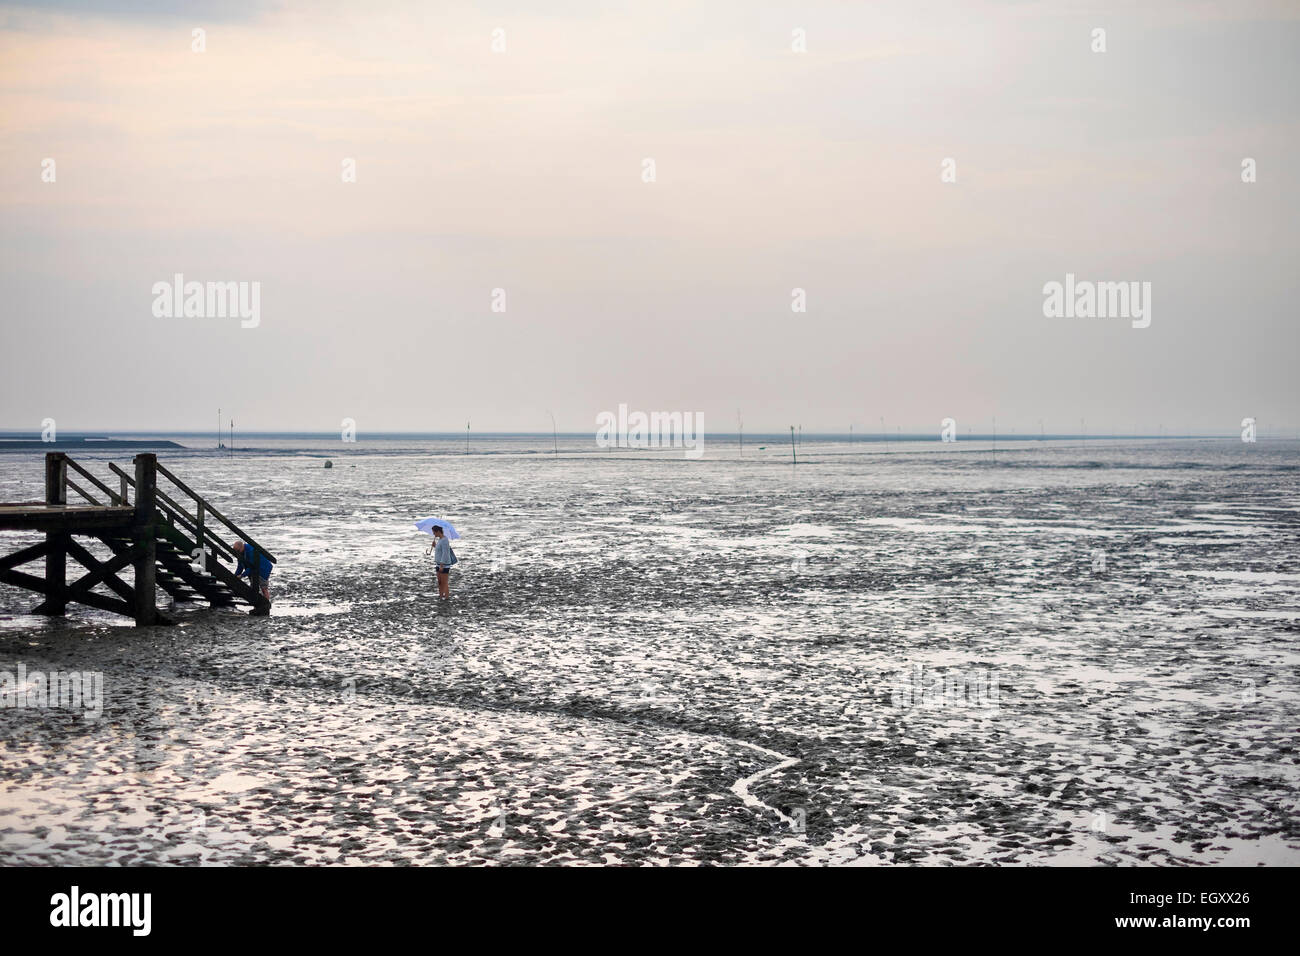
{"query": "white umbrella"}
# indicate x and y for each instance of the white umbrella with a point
(426, 525)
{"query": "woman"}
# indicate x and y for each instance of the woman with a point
(442, 558)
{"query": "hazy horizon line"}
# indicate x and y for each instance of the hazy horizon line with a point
(933, 435)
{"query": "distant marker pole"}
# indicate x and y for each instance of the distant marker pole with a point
(794, 455)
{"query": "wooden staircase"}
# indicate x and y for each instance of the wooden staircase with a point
(175, 574)
(171, 545)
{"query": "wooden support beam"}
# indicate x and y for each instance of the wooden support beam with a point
(23, 556)
(77, 519)
(146, 485)
(100, 573)
(22, 580)
(113, 582)
(57, 599)
(56, 552)
(114, 605)
(103, 603)
(56, 474)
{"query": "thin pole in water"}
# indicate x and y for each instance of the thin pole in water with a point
(467, 438)
(794, 455)
(884, 435)
(555, 441)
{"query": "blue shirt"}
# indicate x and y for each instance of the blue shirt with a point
(245, 562)
(442, 552)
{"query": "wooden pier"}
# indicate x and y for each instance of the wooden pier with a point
(167, 545)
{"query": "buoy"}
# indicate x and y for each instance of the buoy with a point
(329, 464)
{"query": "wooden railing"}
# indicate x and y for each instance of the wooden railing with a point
(173, 510)
(195, 524)
(204, 505)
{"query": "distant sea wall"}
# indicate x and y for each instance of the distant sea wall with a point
(85, 444)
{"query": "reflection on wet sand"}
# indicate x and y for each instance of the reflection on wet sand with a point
(713, 677)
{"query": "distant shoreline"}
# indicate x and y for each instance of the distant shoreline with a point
(162, 438)
(86, 444)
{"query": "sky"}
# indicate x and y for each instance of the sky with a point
(523, 169)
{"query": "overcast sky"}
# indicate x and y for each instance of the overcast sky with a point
(775, 170)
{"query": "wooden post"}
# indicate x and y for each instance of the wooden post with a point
(146, 486)
(56, 558)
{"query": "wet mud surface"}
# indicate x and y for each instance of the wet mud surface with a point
(873, 659)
